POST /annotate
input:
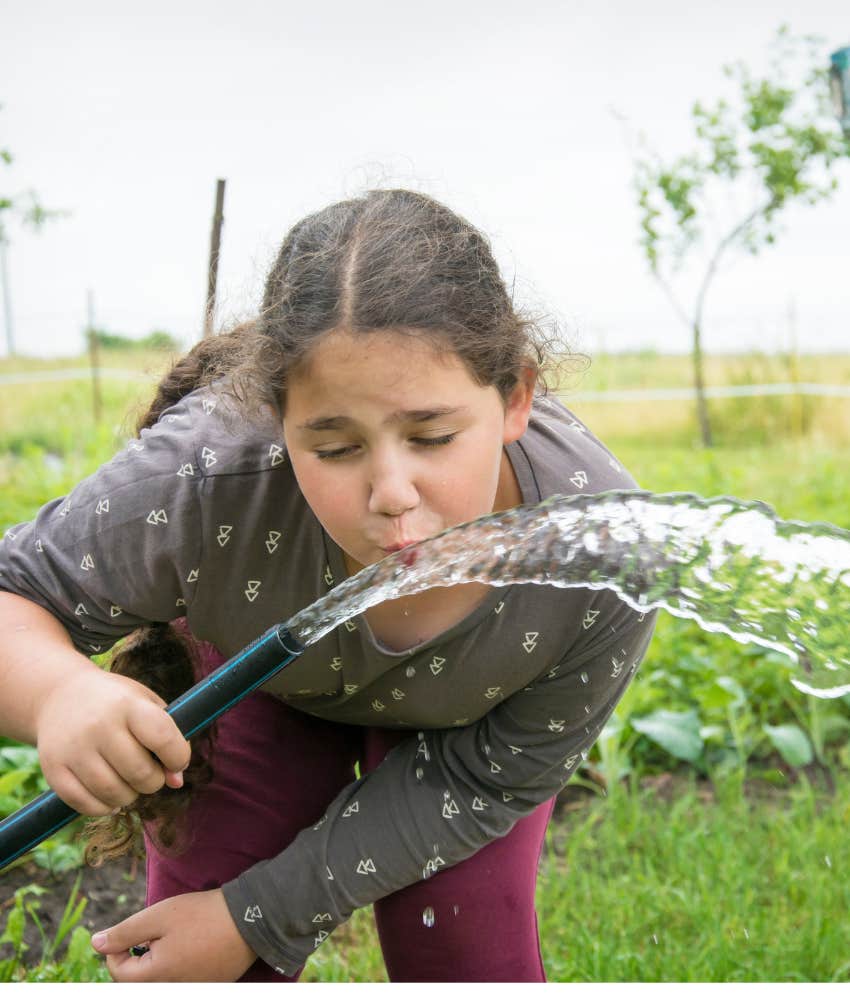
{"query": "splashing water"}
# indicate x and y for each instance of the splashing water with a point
(428, 917)
(730, 565)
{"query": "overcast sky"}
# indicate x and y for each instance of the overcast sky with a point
(503, 110)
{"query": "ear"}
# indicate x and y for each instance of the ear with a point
(518, 406)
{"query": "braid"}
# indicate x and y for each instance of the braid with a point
(162, 659)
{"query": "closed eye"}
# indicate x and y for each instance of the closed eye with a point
(422, 442)
(436, 441)
(337, 452)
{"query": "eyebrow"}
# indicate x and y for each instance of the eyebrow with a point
(338, 423)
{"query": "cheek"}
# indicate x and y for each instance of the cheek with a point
(325, 492)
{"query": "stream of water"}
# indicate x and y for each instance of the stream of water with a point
(732, 566)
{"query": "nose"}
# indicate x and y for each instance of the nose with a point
(392, 489)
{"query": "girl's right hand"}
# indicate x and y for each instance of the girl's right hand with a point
(97, 734)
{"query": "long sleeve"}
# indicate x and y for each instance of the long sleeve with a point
(439, 797)
(123, 548)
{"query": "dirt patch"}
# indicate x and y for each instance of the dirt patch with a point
(114, 891)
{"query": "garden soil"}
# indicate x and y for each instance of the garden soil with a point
(114, 891)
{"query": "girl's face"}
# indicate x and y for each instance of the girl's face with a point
(392, 441)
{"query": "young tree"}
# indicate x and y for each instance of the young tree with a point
(773, 145)
(25, 208)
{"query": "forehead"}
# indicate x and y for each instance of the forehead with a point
(383, 357)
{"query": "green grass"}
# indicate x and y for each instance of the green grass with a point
(637, 889)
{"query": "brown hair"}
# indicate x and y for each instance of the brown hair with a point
(387, 260)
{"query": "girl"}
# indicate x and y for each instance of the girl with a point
(385, 392)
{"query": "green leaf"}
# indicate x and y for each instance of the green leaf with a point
(20, 757)
(792, 744)
(12, 780)
(14, 932)
(677, 732)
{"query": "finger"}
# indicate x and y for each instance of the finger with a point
(156, 730)
(135, 765)
(84, 800)
(127, 968)
(141, 928)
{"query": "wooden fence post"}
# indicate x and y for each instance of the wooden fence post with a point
(94, 357)
(212, 271)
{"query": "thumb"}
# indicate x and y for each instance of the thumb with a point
(132, 931)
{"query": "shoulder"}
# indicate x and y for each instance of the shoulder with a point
(213, 435)
(560, 454)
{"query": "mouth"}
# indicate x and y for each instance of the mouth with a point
(409, 549)
(389, 549)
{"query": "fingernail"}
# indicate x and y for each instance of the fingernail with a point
(98, 939)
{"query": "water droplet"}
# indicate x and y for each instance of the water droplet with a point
(410, 672)
(746, 934)
(584, 678)
(428, 917)
(456, 910)
(828, 862)
(655, 938)
(419, 773)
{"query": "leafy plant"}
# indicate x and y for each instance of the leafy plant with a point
(79, 963)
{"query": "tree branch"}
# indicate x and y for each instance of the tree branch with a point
(723, 246)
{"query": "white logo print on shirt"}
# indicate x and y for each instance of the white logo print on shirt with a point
(433, 864)
(88, 562)
(102, 506)
(276, 454)
(223, 536)
(530, 641)
(157, 517)
(589, 619)
(579, 480)
(366, 866)
(253, 589)
(253, 913)
(436, 665)
(208, 455)
(272, 540)
(187, 469)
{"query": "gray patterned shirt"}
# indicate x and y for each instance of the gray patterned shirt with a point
(201, 516)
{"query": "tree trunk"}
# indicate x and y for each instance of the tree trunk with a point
(699, 385)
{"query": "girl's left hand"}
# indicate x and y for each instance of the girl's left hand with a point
(190, 938)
